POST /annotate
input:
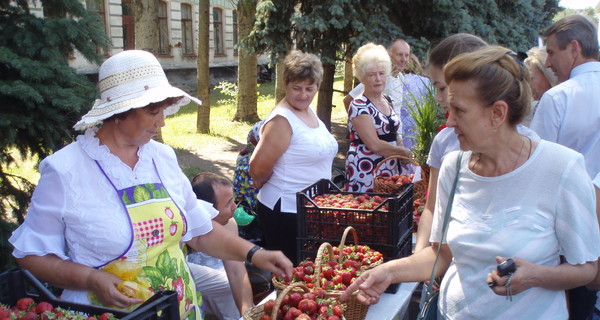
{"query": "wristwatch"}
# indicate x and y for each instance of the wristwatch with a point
(251, 253)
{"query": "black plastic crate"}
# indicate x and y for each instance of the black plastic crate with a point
(378, 226)
(388, 231)
(16, 284)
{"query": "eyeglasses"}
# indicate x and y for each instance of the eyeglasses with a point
(519, 58)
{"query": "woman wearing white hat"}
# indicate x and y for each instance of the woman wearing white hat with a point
(115, 194)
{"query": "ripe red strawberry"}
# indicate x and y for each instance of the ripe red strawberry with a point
(294, 299)
(308, 306)
(333, 318)
(105, 316)
(303, 316)
(24, 303)
(169, 212)
(30, 315)
(268, 306)
(43, 307)
(178, 287)
(338, 310)
(292, 314)
(265, 317)
(4, 313)
(173, 228)
(319, 293)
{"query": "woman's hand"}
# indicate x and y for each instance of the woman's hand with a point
(519, 281)
(70, 275)
(370, 286)
(273, 261)
(104, 285)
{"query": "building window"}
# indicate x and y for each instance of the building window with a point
(163, 29)
(188, 29)
(98, 7)
(218, 31)
(235, 32)
(128, 25)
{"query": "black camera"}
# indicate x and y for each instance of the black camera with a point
(504, 268)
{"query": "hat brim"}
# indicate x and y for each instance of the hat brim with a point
(107, 109)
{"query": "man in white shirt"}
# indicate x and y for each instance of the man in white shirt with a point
(402, 89)
(569, 113)
(224, 284)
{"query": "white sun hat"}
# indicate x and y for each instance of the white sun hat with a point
(131, 79)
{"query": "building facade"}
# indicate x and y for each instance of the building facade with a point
(178, 37)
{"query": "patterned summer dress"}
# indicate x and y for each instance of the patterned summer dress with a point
(360, 161)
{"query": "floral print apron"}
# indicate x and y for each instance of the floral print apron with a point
(157, 228)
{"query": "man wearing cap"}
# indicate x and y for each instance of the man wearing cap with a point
(224, 284)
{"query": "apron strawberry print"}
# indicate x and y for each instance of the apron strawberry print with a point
(158, 227)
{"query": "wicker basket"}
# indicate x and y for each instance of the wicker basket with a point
(355, 237)
(258, 311)
(354, 309)
(420, 187)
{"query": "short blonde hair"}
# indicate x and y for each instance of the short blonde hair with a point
(368, 55)
(536, 58)
(302, 66)
(498, 77)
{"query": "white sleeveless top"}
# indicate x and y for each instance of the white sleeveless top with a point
(307, 159)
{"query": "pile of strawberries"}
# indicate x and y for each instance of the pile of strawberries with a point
(333, 274)
(398, 179)
(418, 207)
(27, 309)
(307, 306)
(351, 201)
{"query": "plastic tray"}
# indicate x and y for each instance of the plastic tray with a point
(17, 283)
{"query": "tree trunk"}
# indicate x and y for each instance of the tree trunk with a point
(279, 89)
(203, 121)
(324, 103)
(146, 25)
(146, 33)
(246, 80)
(348, 76)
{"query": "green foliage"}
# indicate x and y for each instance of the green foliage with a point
(428, 117)
(514, 24)
(7, 262)
(230, 91)
(42, 97)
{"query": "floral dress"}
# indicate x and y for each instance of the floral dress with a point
(360, 161)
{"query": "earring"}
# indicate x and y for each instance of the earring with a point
(116, 121)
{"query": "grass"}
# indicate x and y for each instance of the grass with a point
(180, 130)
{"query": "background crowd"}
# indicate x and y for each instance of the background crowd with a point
(522, 140)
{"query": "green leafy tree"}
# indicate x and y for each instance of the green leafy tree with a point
(42, 97)
(333, 28)
(513, 24)
(327, 29)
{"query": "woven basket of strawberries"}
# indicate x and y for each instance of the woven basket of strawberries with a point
(367, 257)
(391, 184)
(328, 274)
(298, 302)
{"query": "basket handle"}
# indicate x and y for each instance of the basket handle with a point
(283, 294)
(391, 158)
(343, 241)
(319, 259)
